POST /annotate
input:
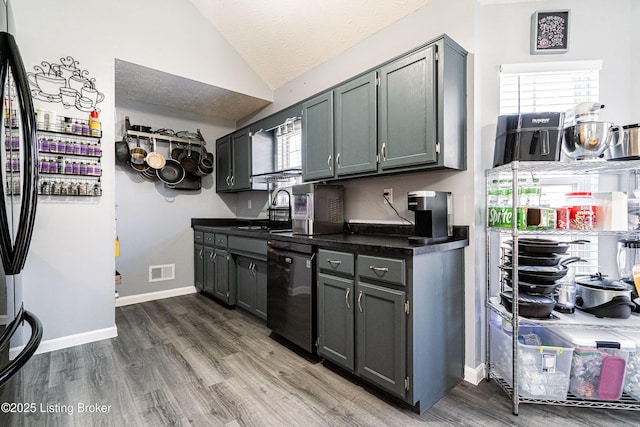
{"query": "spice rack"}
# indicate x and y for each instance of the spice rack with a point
(69, 161)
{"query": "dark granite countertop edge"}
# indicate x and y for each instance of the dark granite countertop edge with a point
(372, 243)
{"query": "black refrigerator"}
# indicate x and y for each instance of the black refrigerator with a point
(18, 198)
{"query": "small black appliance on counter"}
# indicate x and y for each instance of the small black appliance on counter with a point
(528, 137)
(432, 210)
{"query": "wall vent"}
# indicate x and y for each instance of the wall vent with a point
(158, 273)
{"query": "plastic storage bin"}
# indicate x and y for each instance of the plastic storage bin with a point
(544, 361)
(599, 363)
(632, 373)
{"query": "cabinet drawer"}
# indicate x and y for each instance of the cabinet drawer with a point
(385, 269)
(198, 237)
(209, 239)
(336, 262)
(248, 245)
(221, 240)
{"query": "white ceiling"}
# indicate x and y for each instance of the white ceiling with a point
(282, 39)
(279, 39)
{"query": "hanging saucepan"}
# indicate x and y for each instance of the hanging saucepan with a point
(205, 165)
(138, 154)
(155, 159)
(544, 246)
(172, 172)
(189, 160)
(541, 274)
(122, 150)
(176, 152)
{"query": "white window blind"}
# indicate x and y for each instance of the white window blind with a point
(549, 86)
(289, 145)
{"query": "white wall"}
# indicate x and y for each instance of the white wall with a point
(152, 221)
(69, 274)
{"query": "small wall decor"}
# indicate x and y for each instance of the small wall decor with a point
(66, 84)
(550, 32)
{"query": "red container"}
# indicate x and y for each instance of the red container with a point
(582, 212)
(562, 218)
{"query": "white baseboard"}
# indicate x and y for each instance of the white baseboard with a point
(474, 375)
(69, 341)
(152, 296)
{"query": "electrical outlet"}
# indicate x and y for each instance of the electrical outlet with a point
(249, 204)
(388, 192)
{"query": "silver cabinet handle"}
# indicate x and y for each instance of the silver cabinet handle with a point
(200, 255)
(227, 181)
(381, 269)
(333, 262)
(360, 301)
(338, 160)
(212, 256)
(233, 180)
(383, 151)
(329, 162)
(346, 298)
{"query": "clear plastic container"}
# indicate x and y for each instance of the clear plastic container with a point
(582, 211)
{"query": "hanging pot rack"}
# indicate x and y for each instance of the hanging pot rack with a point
(163, 138)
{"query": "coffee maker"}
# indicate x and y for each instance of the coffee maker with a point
(433, 216)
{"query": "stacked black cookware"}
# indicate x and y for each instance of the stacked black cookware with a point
(541, 265)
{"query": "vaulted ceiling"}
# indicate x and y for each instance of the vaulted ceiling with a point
(282, 39)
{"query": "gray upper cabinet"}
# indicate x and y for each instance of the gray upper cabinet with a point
(317, 137)
(355, 126)
(223, 164)
(407, 122)
(233, 162)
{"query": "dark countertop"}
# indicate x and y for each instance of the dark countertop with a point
(370, 238)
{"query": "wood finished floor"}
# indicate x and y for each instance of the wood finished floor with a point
(188, 361)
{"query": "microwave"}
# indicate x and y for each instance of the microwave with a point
(317, 209)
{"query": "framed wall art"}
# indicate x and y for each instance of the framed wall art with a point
(549, 32)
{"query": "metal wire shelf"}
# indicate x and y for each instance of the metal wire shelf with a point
(581, 167)
(626, 402)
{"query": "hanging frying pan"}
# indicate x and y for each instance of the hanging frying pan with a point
(155, 159)
(172, 172)
(189, 160)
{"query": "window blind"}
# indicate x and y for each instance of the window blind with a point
(530, 88)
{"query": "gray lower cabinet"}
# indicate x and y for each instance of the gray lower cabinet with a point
(402, 319)
(250, 277)
(209, 278)
(381, 337)
(198, 260)
(222, 288)
(251, 282)
(335, 320)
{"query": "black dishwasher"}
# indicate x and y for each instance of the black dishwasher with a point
(291, 292)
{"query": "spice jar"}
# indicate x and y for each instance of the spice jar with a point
(582, 211)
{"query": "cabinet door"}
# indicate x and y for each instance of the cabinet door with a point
(260, 271)
(223, 164)
(209, 270)
(198, 266)
(222, 289)
(381, 336)
(241, 160)
(335, 320)
(355, 126)
(317, 137)
(407, 112)
(245, 283)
